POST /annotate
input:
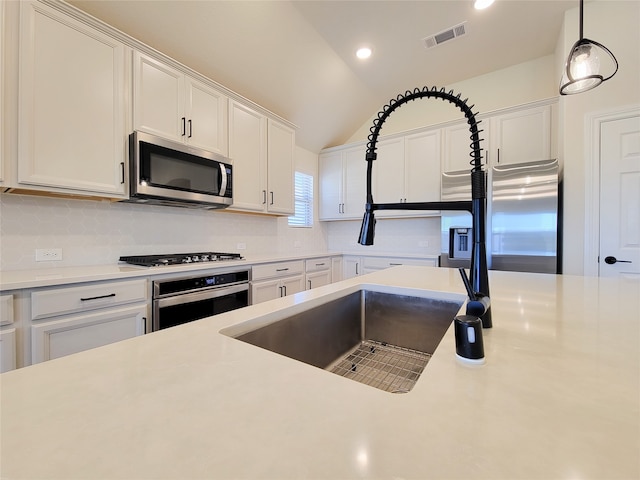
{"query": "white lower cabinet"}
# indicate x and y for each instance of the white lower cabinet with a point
(66, 320)
(275, 280)
(8, 350)
(360, 265)
(73, 334)
(318, 272)
(8, 342)
(352, 266)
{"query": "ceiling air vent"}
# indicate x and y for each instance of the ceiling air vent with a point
(446, 35)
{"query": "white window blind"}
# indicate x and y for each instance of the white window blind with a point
(303, 193)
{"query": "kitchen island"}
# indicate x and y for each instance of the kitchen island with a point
(558, 398)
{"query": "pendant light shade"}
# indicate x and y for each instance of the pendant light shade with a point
(588, 65)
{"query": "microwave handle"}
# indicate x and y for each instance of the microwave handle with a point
(223, 183)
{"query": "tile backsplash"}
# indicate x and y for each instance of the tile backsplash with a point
(99, 232)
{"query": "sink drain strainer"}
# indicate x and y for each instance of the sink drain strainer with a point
(380, 365)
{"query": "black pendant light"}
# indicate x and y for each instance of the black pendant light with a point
(586, 63)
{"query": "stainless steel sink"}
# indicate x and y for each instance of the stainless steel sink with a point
(377, 338)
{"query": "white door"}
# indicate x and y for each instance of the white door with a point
(620, 198)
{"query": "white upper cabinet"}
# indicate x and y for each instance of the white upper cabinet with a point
(3, 66)
(171, 104)
(261, 151)
(280, 147)
(343, 183)
(389, 169)
(523, 135)
(456, 144)
(408, 170)
(71, 128)
(248, 152)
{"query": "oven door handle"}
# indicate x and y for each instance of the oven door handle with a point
(204, 295)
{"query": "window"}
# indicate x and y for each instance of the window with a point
(303, 194)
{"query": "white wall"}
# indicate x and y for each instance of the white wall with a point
(515, 85)
(98, 232)
(614, 24)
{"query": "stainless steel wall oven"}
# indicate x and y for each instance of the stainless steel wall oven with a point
(182, 300)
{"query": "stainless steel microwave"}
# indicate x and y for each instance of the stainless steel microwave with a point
(163, 172)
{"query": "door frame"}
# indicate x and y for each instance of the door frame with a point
(592, 143)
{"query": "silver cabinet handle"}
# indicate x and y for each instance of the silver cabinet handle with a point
(264, 197)
(271, 198)
(309, 284)
(282, 269)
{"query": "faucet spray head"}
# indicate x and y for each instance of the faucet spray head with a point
(367, 230)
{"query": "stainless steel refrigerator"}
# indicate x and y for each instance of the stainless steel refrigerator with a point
(524, 218)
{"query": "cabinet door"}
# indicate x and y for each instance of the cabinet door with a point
(7, 350)
(355, 182)
(71, 101)
(522, 136)
(389, 169)
(247, 149)
(292, 285)
(422, 168)
(352, 267)
(457, 150)
(318, 279)
(280, 142)
(158, 92)
(206, 113)
(336, 269)
(330, 202)
(73, 334)
(3, 27)
(265, 290)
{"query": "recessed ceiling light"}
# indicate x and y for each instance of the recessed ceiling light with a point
(364, 52)
(481, 4)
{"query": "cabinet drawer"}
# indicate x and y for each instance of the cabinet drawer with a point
(386, 262)
(58, 301)
(6, 309)
(280, 269)
(317, 264)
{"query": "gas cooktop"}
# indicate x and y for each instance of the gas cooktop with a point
(179, 258)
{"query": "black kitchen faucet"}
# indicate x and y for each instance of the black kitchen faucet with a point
(477, 206)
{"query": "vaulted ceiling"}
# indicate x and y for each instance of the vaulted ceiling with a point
(297, 58)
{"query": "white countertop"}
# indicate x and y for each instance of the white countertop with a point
(557, 399)
(46, 277)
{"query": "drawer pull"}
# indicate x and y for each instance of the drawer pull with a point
(319, 264)
(86, 299)
(282, 269)
(394, 264)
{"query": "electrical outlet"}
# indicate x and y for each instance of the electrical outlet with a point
(48, 254)
(241, 246)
